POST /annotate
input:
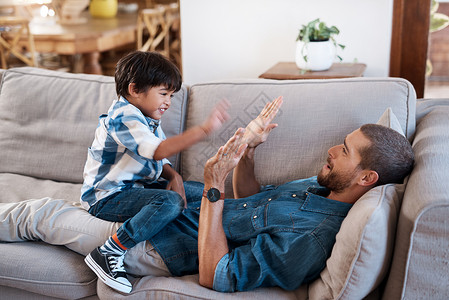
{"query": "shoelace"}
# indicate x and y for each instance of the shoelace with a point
(116, 263)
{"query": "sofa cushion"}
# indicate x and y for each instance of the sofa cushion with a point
(390, 120)
(48, 120)
(363, 248)
(44, 269)
(16, 188)
(316, 115)
(187, 287)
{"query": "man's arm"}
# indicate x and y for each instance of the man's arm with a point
(177, 143)
(244, 181)
(212, 242)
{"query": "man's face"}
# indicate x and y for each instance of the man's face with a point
(342, 168)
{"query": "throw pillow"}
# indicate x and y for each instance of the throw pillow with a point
(389, 119)
(364, 245)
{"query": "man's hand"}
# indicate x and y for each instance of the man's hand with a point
(258, 129)
(216, 118)
(218, 167)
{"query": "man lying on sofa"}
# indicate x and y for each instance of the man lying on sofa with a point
(267, 236)
(282, 236)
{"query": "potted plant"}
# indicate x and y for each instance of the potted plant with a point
(316, 46)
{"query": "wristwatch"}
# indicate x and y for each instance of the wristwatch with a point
(213, 195)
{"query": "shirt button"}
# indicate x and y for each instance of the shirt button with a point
(197, 208)
(269, 199)
(244, 205)
(255, 217)
(294, 195)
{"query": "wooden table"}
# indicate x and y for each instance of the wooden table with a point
(289, 70)
(89, 39)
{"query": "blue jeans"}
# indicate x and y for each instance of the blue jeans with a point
(144, 211)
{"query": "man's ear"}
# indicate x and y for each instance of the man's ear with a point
(368, 178)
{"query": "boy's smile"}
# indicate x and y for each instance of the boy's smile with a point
(154, 102)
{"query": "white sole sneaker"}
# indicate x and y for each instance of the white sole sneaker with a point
(120, 284)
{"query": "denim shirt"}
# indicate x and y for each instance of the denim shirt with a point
(281, 236)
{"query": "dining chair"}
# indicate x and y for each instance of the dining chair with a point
(16, 39)
(153, 20)
(173, 38)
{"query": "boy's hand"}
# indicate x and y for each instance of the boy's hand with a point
(176, 184)
(257, 130)
(217, 117)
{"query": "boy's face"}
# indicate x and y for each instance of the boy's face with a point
(154, 102)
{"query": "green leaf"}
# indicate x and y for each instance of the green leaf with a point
(434, 7)
(438, 22)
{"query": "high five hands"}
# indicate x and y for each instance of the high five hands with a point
(257, 130)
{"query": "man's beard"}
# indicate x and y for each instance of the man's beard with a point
(336, 181)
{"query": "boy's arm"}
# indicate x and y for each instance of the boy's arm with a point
(175, 182)
(178, 143)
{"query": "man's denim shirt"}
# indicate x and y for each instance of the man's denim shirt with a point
(281, 236)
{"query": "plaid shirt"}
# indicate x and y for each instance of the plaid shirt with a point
(121, 155)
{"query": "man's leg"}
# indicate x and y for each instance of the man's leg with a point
(53, 221)
(59, 222)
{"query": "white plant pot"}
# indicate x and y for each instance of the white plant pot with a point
(320, 55)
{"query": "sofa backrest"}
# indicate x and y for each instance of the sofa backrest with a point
(48, 120)
(316, 115)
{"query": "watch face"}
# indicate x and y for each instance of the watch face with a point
(213, 195)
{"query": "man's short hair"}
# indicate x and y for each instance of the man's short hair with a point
(146, 70)
(390, 154)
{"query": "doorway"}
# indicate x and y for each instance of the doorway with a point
(437, 79)
(410, 45)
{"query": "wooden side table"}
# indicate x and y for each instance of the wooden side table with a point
(289, 70)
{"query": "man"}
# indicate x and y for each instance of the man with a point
(269, 236)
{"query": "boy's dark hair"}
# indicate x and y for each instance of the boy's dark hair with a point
(390, 154)
(146, 70)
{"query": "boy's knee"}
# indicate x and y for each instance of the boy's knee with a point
(174, 199)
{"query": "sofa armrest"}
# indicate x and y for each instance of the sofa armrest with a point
(419, 268)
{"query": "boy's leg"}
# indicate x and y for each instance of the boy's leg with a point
(144, 212)
(193, 190)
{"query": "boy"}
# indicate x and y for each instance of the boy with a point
(128, 156)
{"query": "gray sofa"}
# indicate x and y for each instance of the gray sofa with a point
(392, 245)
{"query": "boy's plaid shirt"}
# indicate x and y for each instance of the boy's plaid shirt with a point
(121, 155)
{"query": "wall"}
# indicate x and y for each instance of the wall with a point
(223, 39)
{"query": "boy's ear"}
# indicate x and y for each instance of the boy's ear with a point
(132, 89)
(368, 178)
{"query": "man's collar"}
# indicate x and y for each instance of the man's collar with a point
(316, 201)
